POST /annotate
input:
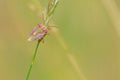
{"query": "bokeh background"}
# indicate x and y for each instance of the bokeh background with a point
(87, 46)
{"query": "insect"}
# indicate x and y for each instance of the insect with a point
(38, 32)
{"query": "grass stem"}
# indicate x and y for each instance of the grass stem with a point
(33, 60)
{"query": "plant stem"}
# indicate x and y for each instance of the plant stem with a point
(33, 60)
(34, 57)
(47, 19)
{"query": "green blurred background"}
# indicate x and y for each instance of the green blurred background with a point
(88, 28)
